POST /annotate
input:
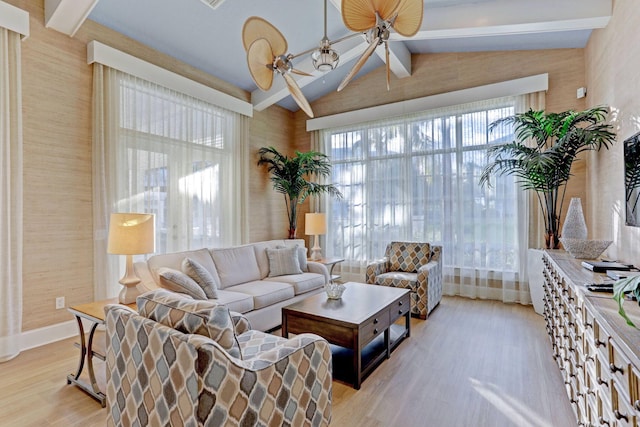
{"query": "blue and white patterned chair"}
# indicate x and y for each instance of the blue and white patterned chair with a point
(413, 266)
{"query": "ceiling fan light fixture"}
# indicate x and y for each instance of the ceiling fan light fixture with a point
(324, 58)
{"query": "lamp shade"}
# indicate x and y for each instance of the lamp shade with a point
(315, 224)
(131, 234)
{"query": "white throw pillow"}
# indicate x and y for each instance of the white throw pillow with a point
(177, 281)
(283, 261)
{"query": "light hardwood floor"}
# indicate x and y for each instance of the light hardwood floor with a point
(473, 363)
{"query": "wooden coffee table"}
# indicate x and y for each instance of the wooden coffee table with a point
(360, 321)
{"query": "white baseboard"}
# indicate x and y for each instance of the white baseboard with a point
(48, 334)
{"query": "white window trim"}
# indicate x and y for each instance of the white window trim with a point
(114, 58)
(514, 87)
(14, 19)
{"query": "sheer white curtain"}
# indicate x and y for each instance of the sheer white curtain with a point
(159, 151)
(10, 195)
(416, 178)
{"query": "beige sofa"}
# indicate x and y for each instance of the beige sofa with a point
(242, 278)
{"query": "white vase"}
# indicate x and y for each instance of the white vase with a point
(574, 226)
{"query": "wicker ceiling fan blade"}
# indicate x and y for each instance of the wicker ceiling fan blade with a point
(297, 94)
(301, 73)
(358, 15)
(367, 53)
(259, 58)
(409, 18)
(386, 8)
(257, 28)
(386, 54)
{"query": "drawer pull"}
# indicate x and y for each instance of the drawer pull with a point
(588, 325)
(603, 422)
(613, 368)
(400, 303)
(399, 311)
(375, 331)
(375, 321)
(636, 405)
(600, 343)
(620, 416)
(602, 382)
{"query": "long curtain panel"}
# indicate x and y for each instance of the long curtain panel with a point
(10, 195)
(159, 151)
(416, 178)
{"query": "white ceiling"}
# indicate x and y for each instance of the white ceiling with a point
(210, 40)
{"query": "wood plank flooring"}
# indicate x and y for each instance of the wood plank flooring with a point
(472, 363)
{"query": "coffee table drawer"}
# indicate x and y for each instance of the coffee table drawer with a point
(374, 327)
(400, 308)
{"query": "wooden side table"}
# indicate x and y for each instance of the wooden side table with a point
(94, 313)
(330, 263)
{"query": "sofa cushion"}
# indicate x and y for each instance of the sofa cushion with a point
(177, 281)
(235, 265)
(302, 251)
(174, 260)
(265, 293)
(283, 261)
(189, 316)
(407, 256)
(302, 283)
(202, 277)
(260, 249)
(236, 301)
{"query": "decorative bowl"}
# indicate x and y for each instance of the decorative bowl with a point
(584, 248)
(334, 290)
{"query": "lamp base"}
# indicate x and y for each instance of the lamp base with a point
(316, 250)
(129, 282)
(128, 294)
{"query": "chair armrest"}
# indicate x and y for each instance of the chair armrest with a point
(240, 323)
(425, 270)
(316, 267)
(376, 268)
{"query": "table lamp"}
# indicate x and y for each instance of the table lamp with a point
(315, 224)
(131, 234)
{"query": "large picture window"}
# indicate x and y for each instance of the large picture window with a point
(416, 178)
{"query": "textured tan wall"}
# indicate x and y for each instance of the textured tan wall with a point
(58, 236)
(612, 64)
(446, 72)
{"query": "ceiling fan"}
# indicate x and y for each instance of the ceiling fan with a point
(267, 54)
(374, 18)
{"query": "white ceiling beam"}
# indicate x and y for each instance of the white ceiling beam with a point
(510, 17)
(349, 49)
(66, 16)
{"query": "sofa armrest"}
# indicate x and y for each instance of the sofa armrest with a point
(376, 268)
(240, 323)
(316, 267)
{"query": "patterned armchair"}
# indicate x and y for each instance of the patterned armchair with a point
(413, 266)
(185, 362)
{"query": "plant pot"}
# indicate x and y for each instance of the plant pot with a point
(536, 279)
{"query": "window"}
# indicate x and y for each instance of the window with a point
(158, 150)
(416, 178)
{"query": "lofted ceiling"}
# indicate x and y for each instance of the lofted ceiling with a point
(210, 39)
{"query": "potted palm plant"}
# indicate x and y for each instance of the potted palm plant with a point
(292, 176)
(544, 164)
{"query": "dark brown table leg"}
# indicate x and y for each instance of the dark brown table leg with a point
(357, 361)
